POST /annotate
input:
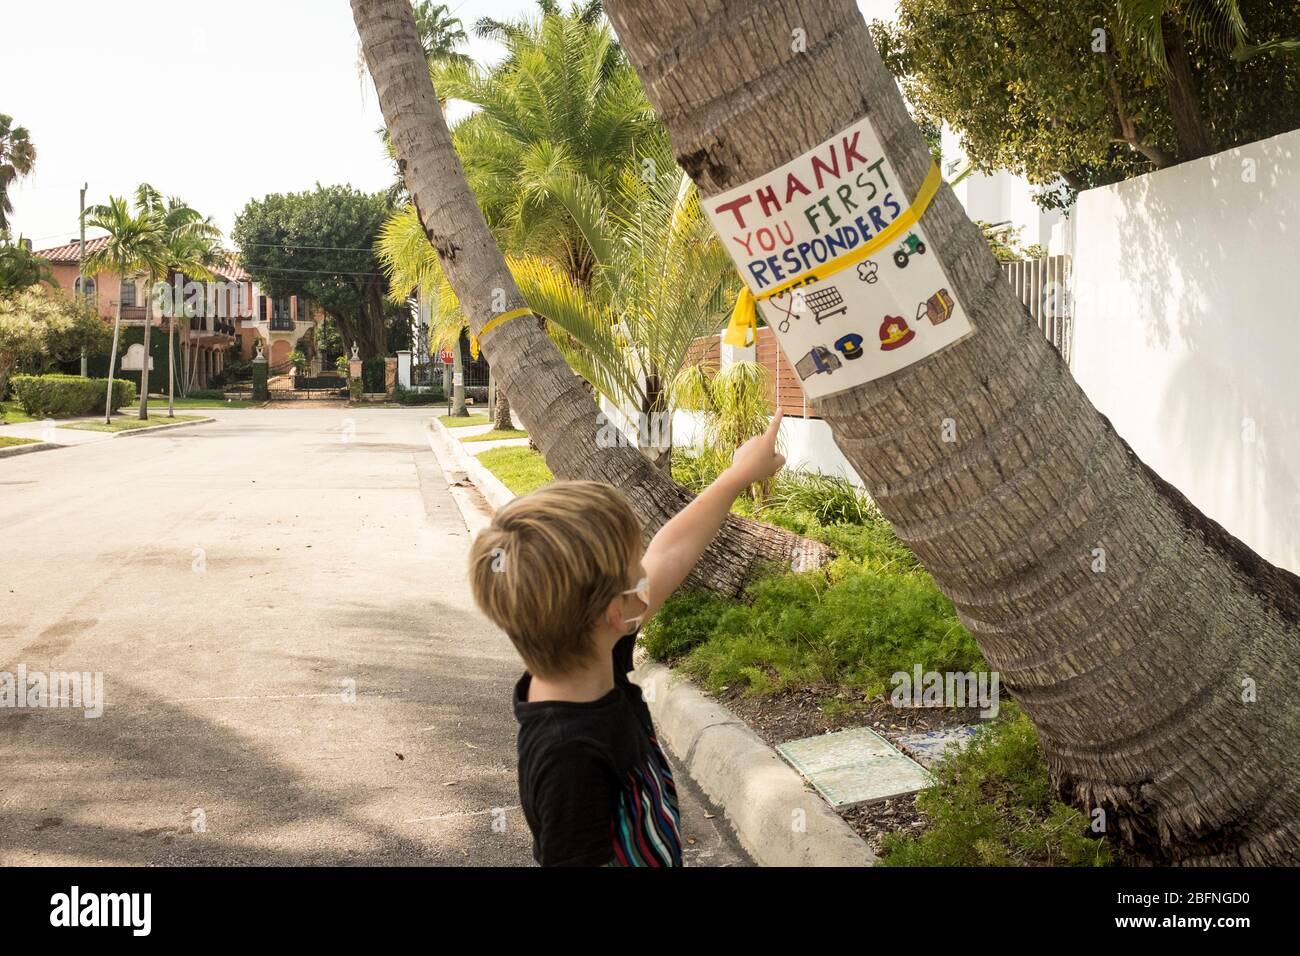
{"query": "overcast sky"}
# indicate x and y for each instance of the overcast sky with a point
(216, 103)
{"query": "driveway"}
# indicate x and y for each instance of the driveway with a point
(293, 668)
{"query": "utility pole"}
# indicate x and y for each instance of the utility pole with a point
(81, 265)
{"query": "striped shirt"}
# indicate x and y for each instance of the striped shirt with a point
(595, 785)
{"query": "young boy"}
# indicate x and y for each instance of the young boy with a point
(562, 572)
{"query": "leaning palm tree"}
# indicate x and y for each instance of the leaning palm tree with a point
(17, 156)
(659, 281)
(134, 246)
(552, 402)
(1136, 632)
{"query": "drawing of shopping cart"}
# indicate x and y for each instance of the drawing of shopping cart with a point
(825, 301)
(818, 360)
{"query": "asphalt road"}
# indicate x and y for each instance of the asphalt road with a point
(293, 668)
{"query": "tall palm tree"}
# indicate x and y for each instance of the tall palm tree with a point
(192, 248)
(17, 156)
(555, 407)
(563, 101)
(440, 33)
(134, 246)
(1133, 629)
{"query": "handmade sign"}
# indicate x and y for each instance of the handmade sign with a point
(832, 252)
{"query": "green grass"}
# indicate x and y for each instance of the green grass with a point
(8, 441)
(520, 468)
(452, 422)
(11, 413)
(497, 434)
(993, 805)
(129, 424)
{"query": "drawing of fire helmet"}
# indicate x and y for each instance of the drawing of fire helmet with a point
(894, 333)
(937, 308)
(818, 360)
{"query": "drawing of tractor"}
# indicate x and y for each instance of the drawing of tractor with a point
(911, 246)
(818, 360)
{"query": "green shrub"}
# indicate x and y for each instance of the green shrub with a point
(993, 805)
(406, 396)
(829, 499)
(355, 389)
(208, 395)
(54, 396)
(852, 624)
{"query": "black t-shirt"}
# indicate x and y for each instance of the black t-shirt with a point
(595, 786)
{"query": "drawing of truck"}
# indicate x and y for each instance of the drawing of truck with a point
(818, 360)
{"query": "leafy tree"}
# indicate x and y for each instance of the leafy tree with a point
(41, 325)
(320, 245)
(1057, 90)
(17, 156)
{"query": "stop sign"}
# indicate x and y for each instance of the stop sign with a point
(447, 357)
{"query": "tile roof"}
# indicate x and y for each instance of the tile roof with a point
(70, 252)
(229, 268)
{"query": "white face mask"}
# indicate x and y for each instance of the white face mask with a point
(642, 592)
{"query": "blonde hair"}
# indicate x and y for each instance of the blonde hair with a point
(548, 566)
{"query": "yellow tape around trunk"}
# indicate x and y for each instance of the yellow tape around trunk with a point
(492, 324)
(744, 320)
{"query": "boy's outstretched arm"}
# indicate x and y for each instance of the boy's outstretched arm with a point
(674, 550)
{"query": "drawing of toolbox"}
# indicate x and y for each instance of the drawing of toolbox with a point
(816, 361)
(937, 308)
(825, 302)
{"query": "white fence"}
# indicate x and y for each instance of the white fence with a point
(1043, 285)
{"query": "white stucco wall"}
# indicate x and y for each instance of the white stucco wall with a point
(1187, 331)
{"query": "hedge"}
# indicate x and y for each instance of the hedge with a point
(52, 396)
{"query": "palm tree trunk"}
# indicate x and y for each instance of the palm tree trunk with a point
(144, 371)
(502, 420)
(458, 381)
(112, 361)
(171, 371)
(553, 405)
(1131, 628)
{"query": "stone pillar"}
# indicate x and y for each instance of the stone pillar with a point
(260, 392)
(404, 368)
(390, 375)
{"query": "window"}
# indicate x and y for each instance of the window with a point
(90, 289)
(128, 294)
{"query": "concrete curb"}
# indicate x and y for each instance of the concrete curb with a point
(13, 450)
(780, 821)
(158, 428)
(496, 493)
(475, 508)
